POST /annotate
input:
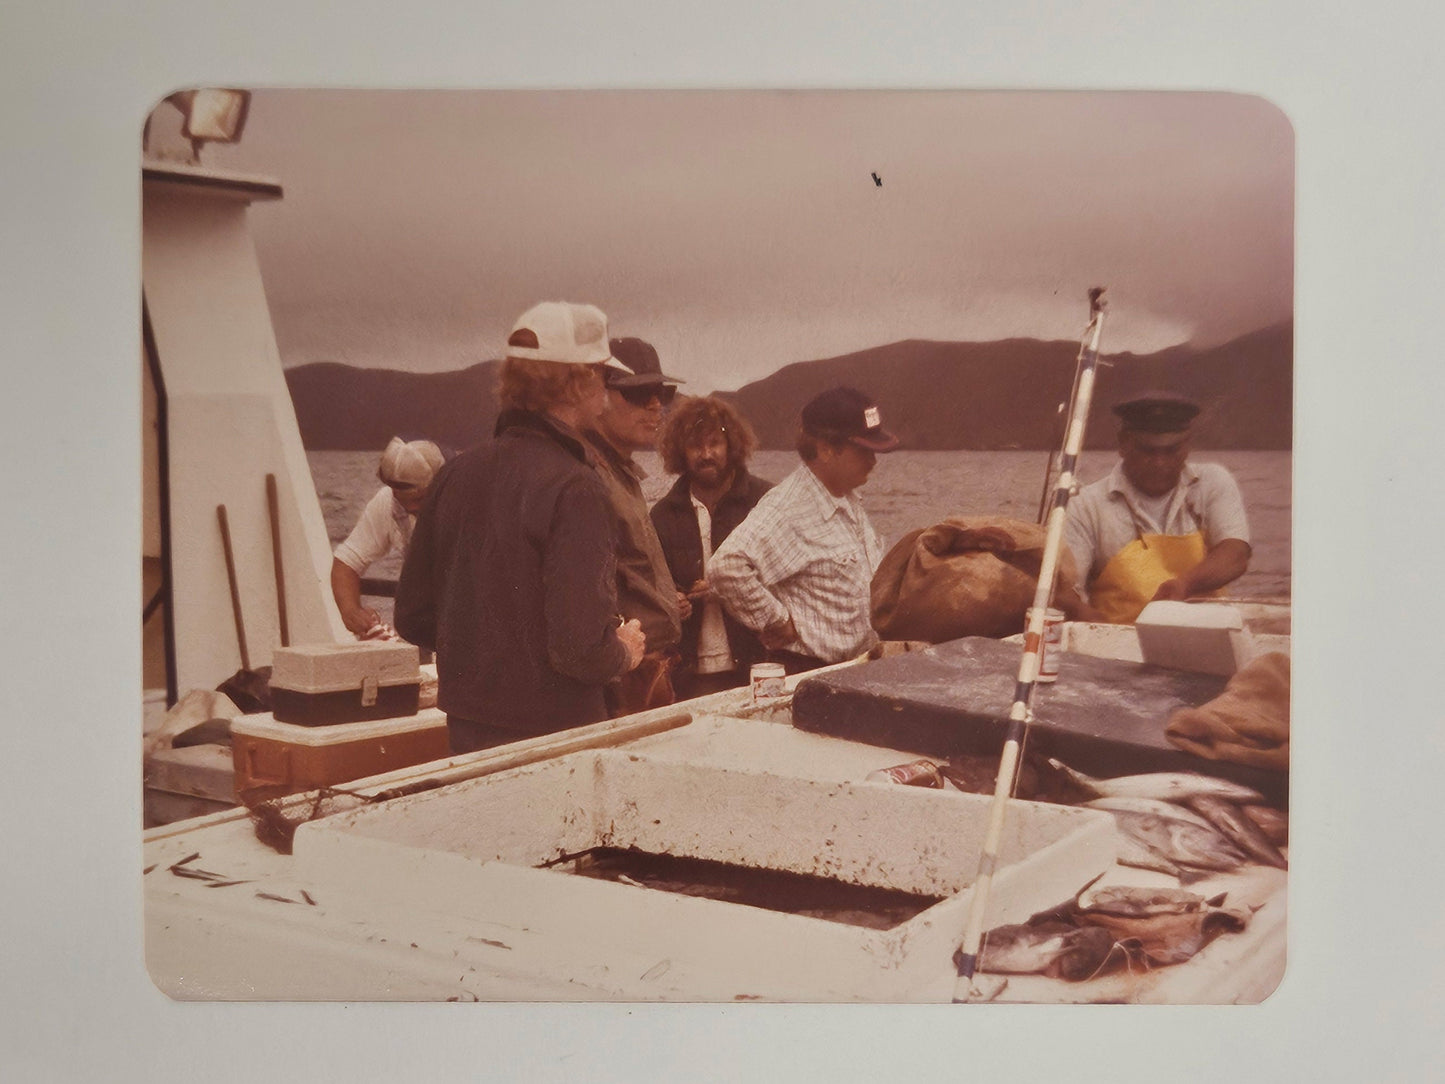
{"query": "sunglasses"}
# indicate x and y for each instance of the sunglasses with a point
(641, 395)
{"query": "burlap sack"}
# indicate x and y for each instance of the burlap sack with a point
(966, 576)
(1248, 723)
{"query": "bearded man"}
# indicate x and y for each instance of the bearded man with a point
(707, 443)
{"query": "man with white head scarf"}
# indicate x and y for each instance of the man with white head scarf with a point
(406, 471)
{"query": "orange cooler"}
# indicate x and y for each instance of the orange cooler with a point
(273, 758)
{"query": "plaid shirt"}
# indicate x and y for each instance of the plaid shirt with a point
(805, 554)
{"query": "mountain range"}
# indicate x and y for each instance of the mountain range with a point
(934, 395)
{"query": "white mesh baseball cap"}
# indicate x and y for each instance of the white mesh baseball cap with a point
(564, 332)
(409, 463)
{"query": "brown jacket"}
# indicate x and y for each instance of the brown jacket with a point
(644, 584)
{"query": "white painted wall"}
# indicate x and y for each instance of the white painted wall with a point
(231, 423)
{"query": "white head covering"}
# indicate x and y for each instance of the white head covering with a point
(409, 464)
(565, 332)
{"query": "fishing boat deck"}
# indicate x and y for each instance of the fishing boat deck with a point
(235, 919)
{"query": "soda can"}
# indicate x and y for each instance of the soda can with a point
(916, 773)
(1052, 646)
(768, 680)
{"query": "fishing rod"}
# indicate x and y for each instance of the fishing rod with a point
(1064, 418)
(1021, 713)
(1061, 426)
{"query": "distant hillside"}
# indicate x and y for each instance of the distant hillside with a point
(342, 407)
(939, 395)
(934, 395)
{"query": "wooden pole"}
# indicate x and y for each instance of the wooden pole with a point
(596, 736)
(235, 591)
(274, 513)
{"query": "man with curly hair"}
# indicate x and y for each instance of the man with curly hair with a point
(707, 443)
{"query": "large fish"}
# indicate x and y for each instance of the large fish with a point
(1132, 901)
(1155, 806)
(1168, 938)
(1179, 843)
(1271, 821)
(1239, 828)
(1058, 951)
(1165, 786)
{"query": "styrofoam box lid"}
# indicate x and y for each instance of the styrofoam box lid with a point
(1209, 639)
(264, 725)
(318, 667)
(1191, 615)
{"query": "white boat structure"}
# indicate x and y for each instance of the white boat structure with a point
(474, 877)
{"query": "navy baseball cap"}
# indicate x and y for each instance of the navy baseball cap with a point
(640, 356)
(849, 414)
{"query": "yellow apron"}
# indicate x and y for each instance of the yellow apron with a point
(1128, 582)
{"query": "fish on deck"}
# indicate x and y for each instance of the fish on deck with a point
(1164, 786)
(1239, 828)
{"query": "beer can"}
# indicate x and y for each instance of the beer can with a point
(916, 773)
(1052, 646)
(768, 680)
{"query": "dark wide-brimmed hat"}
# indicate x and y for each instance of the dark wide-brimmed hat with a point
(1157, 412)
(848, 414)
(640, 356)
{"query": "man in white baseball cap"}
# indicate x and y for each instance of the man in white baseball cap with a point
(511, 576)
(385, 525)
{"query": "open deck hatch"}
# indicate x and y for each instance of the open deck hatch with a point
(492, 852)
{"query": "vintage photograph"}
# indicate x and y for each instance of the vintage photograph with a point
(716, 545)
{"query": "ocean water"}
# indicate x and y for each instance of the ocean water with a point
(912, 489)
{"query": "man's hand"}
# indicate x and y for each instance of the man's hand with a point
(1174, 590)
(346, 589)
(1226, 561)
(361, 620)
(631, 635)
(779, 635)
(1076, 608)
(684, 606)
(700, 591)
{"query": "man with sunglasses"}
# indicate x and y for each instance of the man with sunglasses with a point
(385, 526)
(629, 423)
(1158, 527)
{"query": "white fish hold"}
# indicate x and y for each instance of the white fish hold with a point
(1164, 786)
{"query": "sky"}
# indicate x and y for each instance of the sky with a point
(742, 231)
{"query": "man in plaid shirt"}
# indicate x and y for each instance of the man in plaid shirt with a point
(798, 570)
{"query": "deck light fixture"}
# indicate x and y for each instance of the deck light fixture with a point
(211, 115)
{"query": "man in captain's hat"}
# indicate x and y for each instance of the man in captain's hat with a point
(1158, 527)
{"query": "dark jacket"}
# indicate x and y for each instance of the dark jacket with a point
(511, 577)
(644, 583)
(676, 523)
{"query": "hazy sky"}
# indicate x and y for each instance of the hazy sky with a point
(743, 231)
